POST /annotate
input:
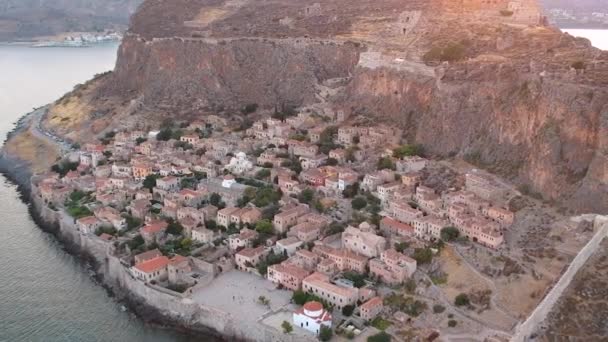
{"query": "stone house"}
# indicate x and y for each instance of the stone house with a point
(203, 235)
(370, 309)
(243, 239)
(151, 270)
(151, 254)
(288, 275)
(319, 285)
(392, 268)
(88, 225)
(153, 231)
(288, 246)
(364, 243)
(289, 217)
(249, 257)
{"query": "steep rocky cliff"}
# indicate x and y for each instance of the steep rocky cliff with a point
(498, 89)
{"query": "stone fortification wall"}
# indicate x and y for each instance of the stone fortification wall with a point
(173, 306)
(526, 329)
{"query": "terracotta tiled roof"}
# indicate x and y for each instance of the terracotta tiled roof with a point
(376, 301)
(153, 265)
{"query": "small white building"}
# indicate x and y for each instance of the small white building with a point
(311, 317)
(203, 235)
(239, 164)
(288, 246)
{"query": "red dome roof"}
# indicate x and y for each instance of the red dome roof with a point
(313, 306)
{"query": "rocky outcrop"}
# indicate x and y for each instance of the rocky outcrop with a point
(527, 102)
(181, 73)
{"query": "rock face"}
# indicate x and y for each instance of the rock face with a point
(196, 74)
(520, 99)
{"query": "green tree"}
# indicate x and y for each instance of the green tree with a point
(265, 196)
(299, 297)
(358, 203)
(462, 300)
(188, 183)
(386, 163)
(134, 243)
(215, 199)
(422, 255)
(174, 228)
(250, 108)
(186, 244)
(264, 227)
(306, 196)
(357, 279)
(406, 151)
(325, 333)
(262, 174)
(164, 134)
(351, 191)
(449, 234)
(401, 246)
(332, 161)
(150, 181)
(287, 328)
(348, 310)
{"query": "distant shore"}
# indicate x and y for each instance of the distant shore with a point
(68, 39)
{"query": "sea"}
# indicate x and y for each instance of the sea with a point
(47, 294)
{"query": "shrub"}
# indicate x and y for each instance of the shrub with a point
(332, 162)
(306, 196)
(357, 279)
(449, 234)
(452, 323)
(422, 255)
(358, 203)
(401, 246)
(380, 323)
(407, 151)
(264, 227)
(325, 333)
(450, 53)
(250, 108)
(348, 310)
(578, 65)
(462, 300)
(386, 163)
(287, 328)
(438, 308)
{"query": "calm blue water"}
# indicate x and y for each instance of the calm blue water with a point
(45, 293)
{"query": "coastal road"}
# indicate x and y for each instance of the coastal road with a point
(38, 131)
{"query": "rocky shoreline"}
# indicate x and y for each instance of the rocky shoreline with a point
(18, 173)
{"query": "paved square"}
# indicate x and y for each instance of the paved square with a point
(237, 293)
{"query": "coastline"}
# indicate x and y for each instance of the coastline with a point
(19, 174)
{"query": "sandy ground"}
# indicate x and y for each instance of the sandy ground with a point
(37, 152)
